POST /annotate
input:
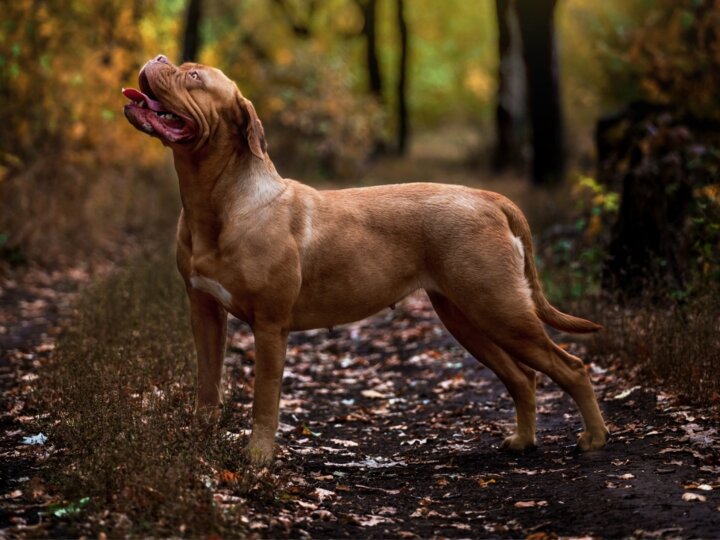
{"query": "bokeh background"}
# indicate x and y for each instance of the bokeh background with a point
(73, 174)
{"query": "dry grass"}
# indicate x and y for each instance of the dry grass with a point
(677, 345)
(120, 394)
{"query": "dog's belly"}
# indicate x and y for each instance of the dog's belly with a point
(316, 308)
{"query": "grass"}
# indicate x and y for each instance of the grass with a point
(120, 393)
(676, 345)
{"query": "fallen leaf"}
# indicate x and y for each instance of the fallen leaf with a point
(530, 504)
(702, 487)
(374, 394)
(528, 472)
(322, 494)
(370, 520)
(387, 511)
(626, 393)
(346, 444)
(70, 509)
(413, 442)
(227, 477)
(306, 505)
(693, 497)
(370, 463)
(323, 515)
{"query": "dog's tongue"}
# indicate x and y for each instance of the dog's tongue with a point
(136, 95)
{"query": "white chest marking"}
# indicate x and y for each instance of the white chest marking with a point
(307, 234)
(213, 288)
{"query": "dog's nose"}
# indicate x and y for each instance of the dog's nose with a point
(162, 58)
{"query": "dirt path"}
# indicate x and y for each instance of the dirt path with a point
(31, 311)
(390, 430)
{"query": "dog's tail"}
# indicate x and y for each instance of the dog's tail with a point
(547, 313)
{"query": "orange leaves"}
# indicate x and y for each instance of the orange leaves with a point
(674, 54)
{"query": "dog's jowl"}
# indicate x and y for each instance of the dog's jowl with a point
(283, 256)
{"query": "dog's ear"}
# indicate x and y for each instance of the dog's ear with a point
(251, 126)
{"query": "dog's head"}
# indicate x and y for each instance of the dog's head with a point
(190, 106)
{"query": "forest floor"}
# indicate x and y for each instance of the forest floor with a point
(389, 430)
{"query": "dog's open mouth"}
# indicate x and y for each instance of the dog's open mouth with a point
(148, 114)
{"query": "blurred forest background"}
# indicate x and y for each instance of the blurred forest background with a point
(601, 118)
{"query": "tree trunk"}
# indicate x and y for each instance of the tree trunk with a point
(647, 151)
(541, 64)
(191, 37)
(510, 107)
(369, 9)
(402, 111)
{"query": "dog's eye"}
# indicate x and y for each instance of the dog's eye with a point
(195, 75)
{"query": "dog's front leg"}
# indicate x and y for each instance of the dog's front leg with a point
(209, 327)
(270, 349)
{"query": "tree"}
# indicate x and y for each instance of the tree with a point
(662, 152)
(510, 106)
(369, 11)
(402, 107)
(191, 37)
(536, 18)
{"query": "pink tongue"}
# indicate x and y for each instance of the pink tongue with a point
(137, 95)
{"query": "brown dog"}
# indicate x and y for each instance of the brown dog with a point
(283, 256)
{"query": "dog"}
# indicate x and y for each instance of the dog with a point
(282, 256)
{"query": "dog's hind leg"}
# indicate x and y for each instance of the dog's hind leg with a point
(518, 378)
(523, 337)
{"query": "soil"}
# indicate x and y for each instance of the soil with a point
(389, 429)
(31, 309)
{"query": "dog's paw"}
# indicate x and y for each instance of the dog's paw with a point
(588, 441)
(516, 443)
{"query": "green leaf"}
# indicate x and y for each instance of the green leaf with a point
(69, 510)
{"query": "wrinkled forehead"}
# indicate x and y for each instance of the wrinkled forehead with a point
(212, 77)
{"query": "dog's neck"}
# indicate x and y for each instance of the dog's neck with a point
(218, 185)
